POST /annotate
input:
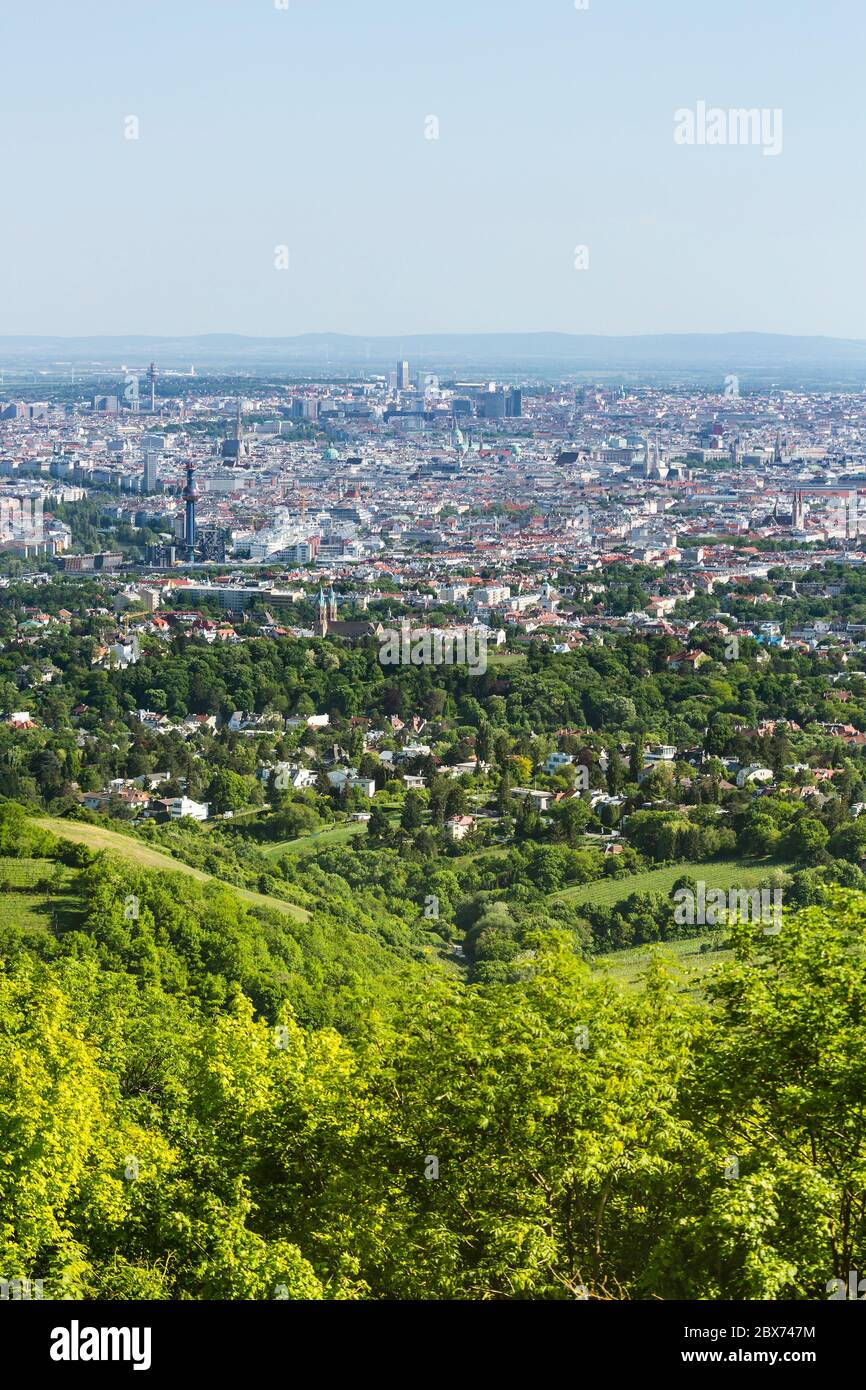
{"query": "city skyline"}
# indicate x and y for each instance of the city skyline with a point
(755, 361)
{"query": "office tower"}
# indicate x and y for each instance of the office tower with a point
(150, 480)
(190, 497)
(514, 403)
(492, 405)
(402, 376)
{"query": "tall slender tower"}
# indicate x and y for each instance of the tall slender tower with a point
(190, 497)
(151, 376)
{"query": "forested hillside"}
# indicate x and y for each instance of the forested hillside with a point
(205, 1103)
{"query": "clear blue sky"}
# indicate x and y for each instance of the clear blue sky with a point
(262, 127)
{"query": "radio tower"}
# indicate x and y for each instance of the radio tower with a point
(151, 376)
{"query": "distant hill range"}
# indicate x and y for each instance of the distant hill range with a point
(761, 355)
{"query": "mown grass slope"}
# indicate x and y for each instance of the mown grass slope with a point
(721, 873)
(96, 837)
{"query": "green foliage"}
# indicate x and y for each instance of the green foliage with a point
(525, 1140)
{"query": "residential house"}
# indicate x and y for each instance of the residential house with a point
(556, 762)
(179, 806)
(350, 778)
(754, 775)
(540, 799)
(458, 827)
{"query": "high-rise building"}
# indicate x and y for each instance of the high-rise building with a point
(403, 377)
(492, 405)
(150, 480)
